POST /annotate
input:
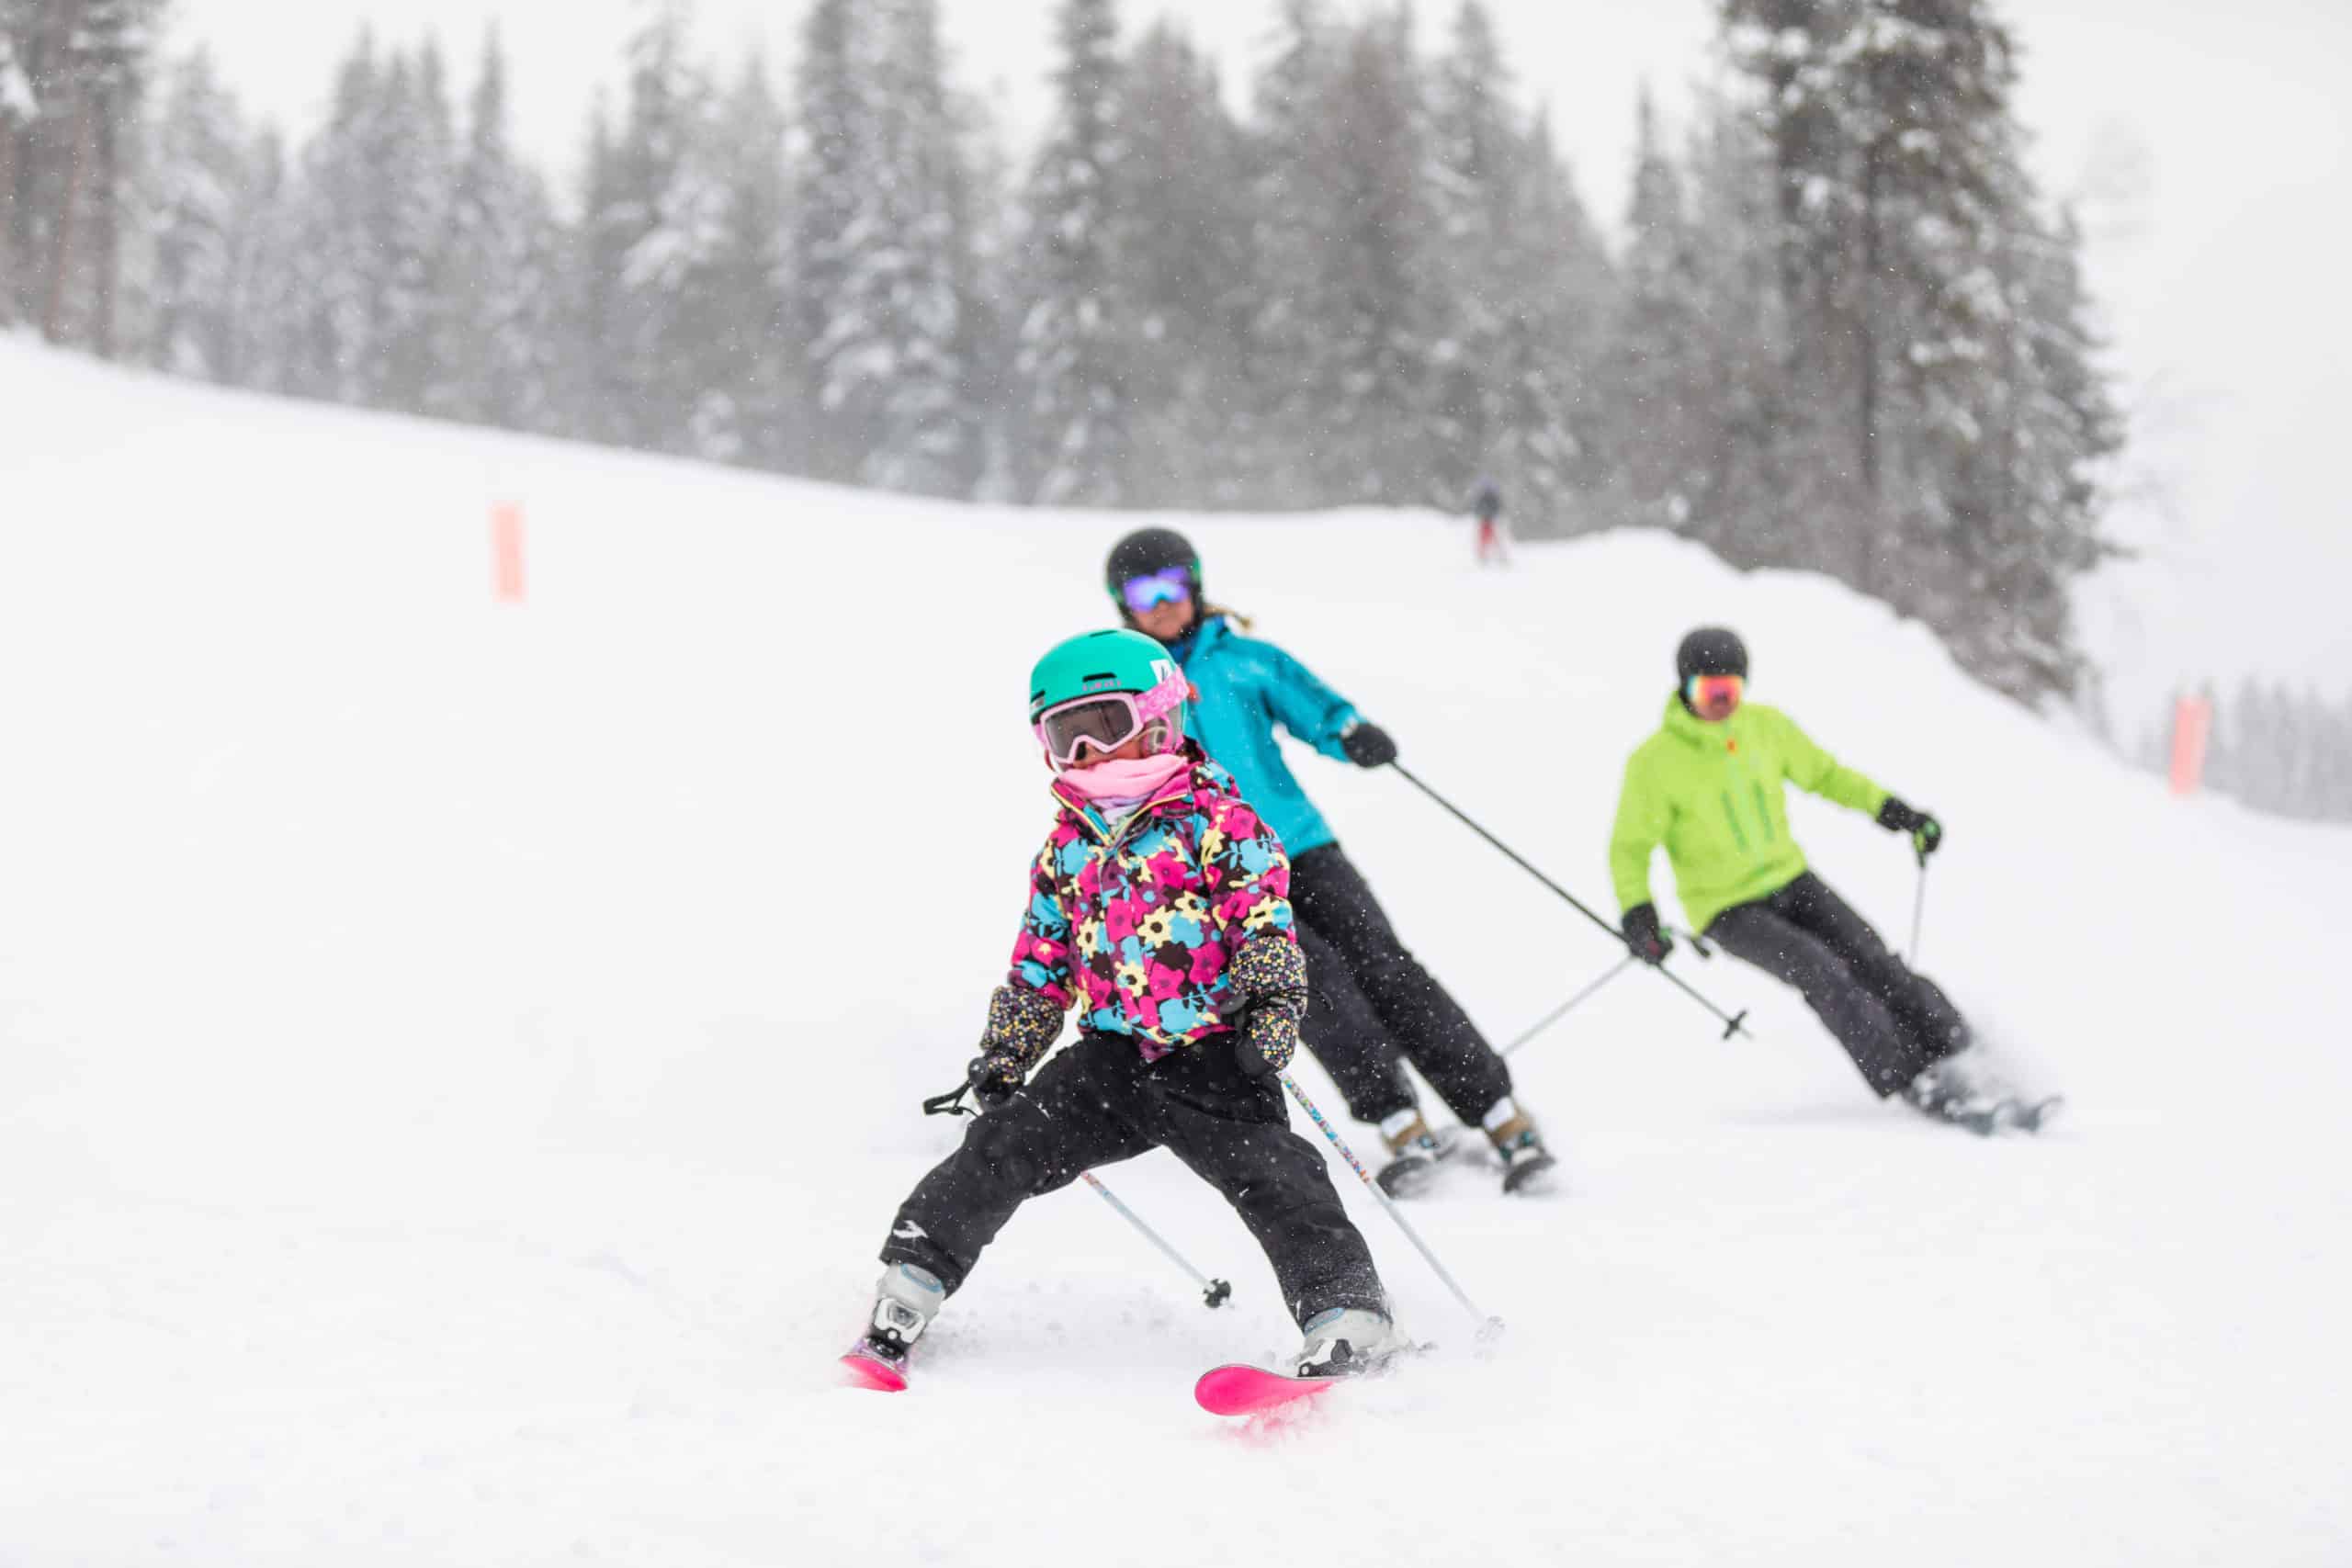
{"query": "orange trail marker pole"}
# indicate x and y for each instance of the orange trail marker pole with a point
(2192, 728)
(506, 552)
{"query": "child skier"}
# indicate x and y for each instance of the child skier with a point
(1158, 907)
(1367, 989)
(1710, 785)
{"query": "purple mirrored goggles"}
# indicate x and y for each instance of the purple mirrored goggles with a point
(1173, 586)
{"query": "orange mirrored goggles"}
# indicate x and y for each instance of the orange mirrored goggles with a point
(1705, 692)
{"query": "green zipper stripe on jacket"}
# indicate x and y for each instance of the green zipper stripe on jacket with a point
(1763, 811)
(1731, 814)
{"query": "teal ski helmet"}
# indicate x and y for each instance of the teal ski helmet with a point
(1103, 688)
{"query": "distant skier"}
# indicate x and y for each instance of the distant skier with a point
(1710, 785)
(1159, 908)
(1487, 506)
(1371, 996)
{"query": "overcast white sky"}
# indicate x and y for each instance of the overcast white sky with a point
(2221, 268)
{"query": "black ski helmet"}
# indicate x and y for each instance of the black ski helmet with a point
(1146, 552)
(1710, 650)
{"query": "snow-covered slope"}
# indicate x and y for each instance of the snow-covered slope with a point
(456, 1063)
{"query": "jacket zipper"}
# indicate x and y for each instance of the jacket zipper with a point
(1731, 814)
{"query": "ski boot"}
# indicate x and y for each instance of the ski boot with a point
(905, 1299)
(1347, 1342)
(1414, 1152)
(1528, 1165)
(1948, 1092)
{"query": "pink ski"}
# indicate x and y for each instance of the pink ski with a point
(861, 1369)
(1235, 1390)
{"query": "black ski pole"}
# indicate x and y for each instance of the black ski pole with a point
(1214, 1292)
(1569, 1006)
(1733, 1023)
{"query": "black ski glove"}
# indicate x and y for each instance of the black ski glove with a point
(993, 1079)
(1926, 833)
(1367, 744)
(1650, 945)
(1271, 975)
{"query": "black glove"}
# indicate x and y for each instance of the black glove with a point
(994, 1077)
(1367, 744)
(1926, 833)
(1649, 943)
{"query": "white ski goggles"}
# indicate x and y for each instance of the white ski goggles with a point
(1108, 720)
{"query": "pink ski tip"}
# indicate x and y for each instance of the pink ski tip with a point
(860, 1371)
(1244, 1391)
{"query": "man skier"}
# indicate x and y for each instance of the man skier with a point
(1710, 785)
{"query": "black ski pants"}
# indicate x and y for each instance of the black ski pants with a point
(1369, 1000)
(1099, 1101)
(1894, 1023)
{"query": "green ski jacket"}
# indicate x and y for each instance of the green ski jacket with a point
(1712, 795)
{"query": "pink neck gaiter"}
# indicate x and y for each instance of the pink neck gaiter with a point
(1134, 780)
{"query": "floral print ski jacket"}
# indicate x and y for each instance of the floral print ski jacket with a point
(1144, 928)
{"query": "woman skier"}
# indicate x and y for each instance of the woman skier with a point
(1159, 908)
(1710, 785)
(1371, 997)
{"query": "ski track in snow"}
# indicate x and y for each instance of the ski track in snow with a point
(457, 1065)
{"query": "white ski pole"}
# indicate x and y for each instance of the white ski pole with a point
(1569, 1006)
(1215, 1292)
(1487, 1326)
(1919, 913)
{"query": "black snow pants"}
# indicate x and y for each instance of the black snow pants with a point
(1100, 1101)
(1369, 999)
(1895, 1024)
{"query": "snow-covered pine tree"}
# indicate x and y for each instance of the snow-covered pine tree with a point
(1758, 489)
(341, 213)
(1900, 194)
(1525, 282)
(1189, 279)
(269, 288)
(203, 197)
(74, 78)
(1657, 361)
(19, 112)
(416, 156)
(1376, 316)
(499, 318)
(1075, 337)
(749, 403)
(892, 284)
(1296, 211)
(654, 226)
(1563, 288)
(920, 276)
(1476, 148)
(2023, 466)
(836, 125)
